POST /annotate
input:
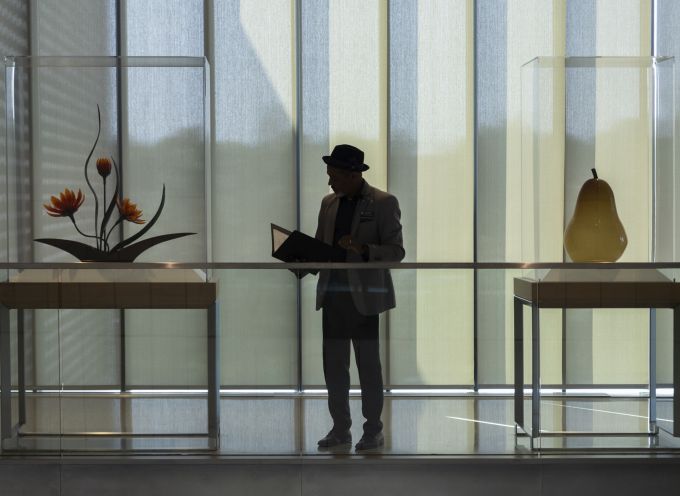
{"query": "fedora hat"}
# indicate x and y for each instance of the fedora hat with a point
(346, 157)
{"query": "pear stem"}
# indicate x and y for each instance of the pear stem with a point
(594, 173)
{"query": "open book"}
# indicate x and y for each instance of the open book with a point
(298, 247)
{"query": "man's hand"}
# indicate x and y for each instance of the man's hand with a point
(349, 244)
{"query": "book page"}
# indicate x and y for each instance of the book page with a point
(278, 237)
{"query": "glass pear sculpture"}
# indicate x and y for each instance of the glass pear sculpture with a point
(595, 232)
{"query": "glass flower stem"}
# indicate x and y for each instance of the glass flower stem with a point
(106, 238)
(101, 231)
(87, 179)
(81, 232)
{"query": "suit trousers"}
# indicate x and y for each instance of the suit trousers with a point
(342, 324)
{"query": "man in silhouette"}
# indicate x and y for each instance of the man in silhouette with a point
(363, 222)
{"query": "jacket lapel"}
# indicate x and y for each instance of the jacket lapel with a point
(363, 205)
(331, 214)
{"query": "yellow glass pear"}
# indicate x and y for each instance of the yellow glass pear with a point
(595, 232)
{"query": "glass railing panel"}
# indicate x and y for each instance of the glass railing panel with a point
(426, 350)
(614, 321)
(260, 361)
(104, 374)
(29, 354)
(114, 359)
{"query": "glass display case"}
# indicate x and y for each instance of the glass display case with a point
(135, 126)
(599, 189)
(614, 115)
(106, 159)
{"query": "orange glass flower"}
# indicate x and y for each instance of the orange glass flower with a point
(66, 205)
(104, 166)
(129, 211)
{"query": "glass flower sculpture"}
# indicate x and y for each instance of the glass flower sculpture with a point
(68, 202)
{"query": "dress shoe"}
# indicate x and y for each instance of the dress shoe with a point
(334, 439)
(370, 441)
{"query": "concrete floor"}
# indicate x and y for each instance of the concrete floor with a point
(434, 446)
(290, 425)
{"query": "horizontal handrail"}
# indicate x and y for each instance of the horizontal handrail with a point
(339, 265)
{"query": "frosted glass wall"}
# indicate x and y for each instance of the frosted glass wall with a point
(430, 90)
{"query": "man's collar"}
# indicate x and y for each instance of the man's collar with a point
(363, 191)
(365, 188)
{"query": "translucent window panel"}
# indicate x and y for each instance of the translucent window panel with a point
(64, 124)
(314, 119)
(624, 28)
(259, 345)
(623, 150)
(73, 27)
(45, 335)
(622, 119)
(73, 348)
(254, 168)
(66, 95)
(163, 27)
(494, 355)
(431, 168)
(64, 115)
(403, 117)
(437, 348)
(164, 131)
(491, 108)
(316, 142)
(491, 114)
(312, 338)
(620, 346)
(533, 27)
(89, 344)
(509, 34)
(601, 28)
(254, 181)
(171, 143)
(444, 132)
(444, 220)
(163, 121)
(166, 348)
(357, 70)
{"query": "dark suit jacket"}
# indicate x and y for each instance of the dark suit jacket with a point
(376, 223)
